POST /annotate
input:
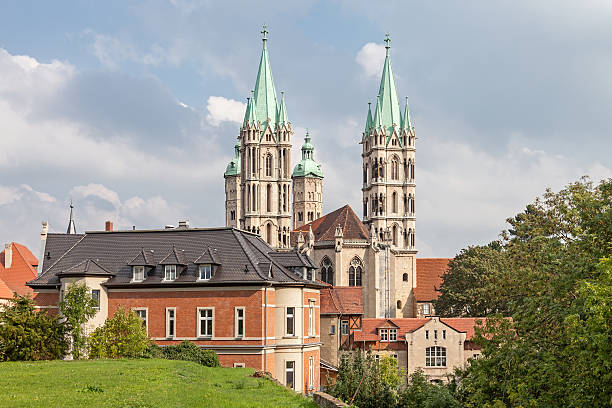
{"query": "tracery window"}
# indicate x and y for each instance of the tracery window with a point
(269, 165)
(327, 271)
(355, 271)
(394, 169)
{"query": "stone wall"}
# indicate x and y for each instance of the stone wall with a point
(327, 401)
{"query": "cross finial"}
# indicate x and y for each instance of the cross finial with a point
(265, 32)
(387, 40)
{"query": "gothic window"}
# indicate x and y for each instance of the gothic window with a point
(355, 271)
(365, 174)
(269, 198)
(405, 204)
(405, 173)
(269, 165)
(399, 304)
(327, 271)
(381, 169)
(395, 235)
(253, 160)
(300, 216)
(394, 169)
(394, 202)
(365, 208)
(412, 171)
(269, 233)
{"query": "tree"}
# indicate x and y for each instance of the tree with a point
(551, 285)
(77, 307)
(464, 289)
(419, 393)
(122, 335)
(26, 334)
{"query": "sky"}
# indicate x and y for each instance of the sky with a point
(131, 109)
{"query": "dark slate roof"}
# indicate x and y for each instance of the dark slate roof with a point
(293, 259)
(144, 258)
(56, 246)
(174, 257)
(240, 257)
(88, 267)
(208, 257)
(324, 228)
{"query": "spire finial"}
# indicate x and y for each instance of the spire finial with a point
(265, 33)
(387, 41)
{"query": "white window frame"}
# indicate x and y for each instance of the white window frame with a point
(426, 309)
(168, 320)
(99, 297)
(203, 268)
(141, 269)
(146, 319)
(166, 274)
(290, 370)
(239, 365)
(332, 329)
(311, 373)
(435, 356)
(343, 324)
(392, 334)
(237, 319)
(311, 317)
(290, 325)
(384, 335)
(200, 320)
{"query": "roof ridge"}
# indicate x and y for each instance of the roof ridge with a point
(240, 239)
(62, 256)
(273, 261)
(25, 261)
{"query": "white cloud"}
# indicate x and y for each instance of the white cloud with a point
(221, 109)
(110, 51)
(371, 57)
(97, 190)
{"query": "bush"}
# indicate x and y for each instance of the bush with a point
(186, 351)
(78, 307)
(123, 335)
(26, 334)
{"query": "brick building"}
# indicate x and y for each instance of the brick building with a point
(429, 278)
(223, 289)
(17, 266)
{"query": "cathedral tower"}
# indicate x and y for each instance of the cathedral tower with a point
(264, 181)
(388, 167)
(232, 189)
(307, 187)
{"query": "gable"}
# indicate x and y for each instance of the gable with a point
(324, 228)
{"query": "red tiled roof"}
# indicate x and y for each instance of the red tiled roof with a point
(369, 327)
(463, 324)
(341, 300)
(21, 271)
(429, 273)
(5, 291)
(324, 228)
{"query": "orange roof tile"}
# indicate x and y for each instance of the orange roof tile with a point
(342, 300)
(429, 273)
(324, 228)
(21, 271)
(5, 291)
(464, 324)
(369, 327)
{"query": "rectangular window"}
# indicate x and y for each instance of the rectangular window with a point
(426, 309)
(392, 334)
(444, 334)
(426, 334)
(239, 323)
(205, 321)
(138, 273)
(239, 365)
(290, 374)
(311, 375)
(436, 334)
(170, 272)
(332, 329)
(384, 335)
(95, 295)
(344, 327)
(435, 356)
(170, 322)
(290, 321)
(205, 272)
(311, 318)
(142, 314)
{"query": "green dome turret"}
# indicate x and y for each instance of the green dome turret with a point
(307, 167)
(233, 167)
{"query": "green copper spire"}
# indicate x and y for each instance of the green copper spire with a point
(307, 167)
(406, 121)
(377, 122)
(249, 114)
(265, 92)
(282, 111)
(233, 168)
(368, 121)
(390, 112)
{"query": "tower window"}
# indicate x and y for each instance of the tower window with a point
(355, 271)
(327, 271)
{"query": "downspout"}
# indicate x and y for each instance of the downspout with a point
(265, 328)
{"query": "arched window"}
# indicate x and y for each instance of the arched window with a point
(327, 271)
(365, 174)
(394, 202)
(269, 165)
(405, 277)
(399, 304)
(394, 169)
(269, 198)
(269, 233)
(395, 235)
(355, 271)
(409, 237)
(381, 169)
(435, 356)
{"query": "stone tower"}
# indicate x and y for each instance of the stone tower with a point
(388, 166)
(307, 187)
(232, 189)
(265, 161)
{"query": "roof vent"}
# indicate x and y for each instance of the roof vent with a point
(169, 226)
(183, 224)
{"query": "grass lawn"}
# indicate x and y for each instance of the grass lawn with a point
(137, 384)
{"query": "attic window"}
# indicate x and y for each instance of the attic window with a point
(205, 272)
(138, 273)
(170, 272)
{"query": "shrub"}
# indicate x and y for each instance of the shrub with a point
(187, 351)
(78, 307)
(26, 334)
(123, 335)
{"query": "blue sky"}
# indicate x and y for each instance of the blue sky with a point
(131, 109)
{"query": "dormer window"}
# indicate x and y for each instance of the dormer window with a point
(138, 273)
(205, 272)
(170, 272)
(387, 335)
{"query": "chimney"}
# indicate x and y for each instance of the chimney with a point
(8, 255)
(183, 224)
(43, 243)
(108, 226)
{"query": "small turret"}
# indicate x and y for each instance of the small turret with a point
(71, 227)
(282, 112)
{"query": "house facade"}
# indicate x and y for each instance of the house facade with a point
(17, 266)
(223, 289)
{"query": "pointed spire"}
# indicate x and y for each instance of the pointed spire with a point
(390, 107)
(71, 226)
(265, 102)
(282, 111)
(406, 121)
(377, 122)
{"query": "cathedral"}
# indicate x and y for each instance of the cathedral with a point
(263, 196)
